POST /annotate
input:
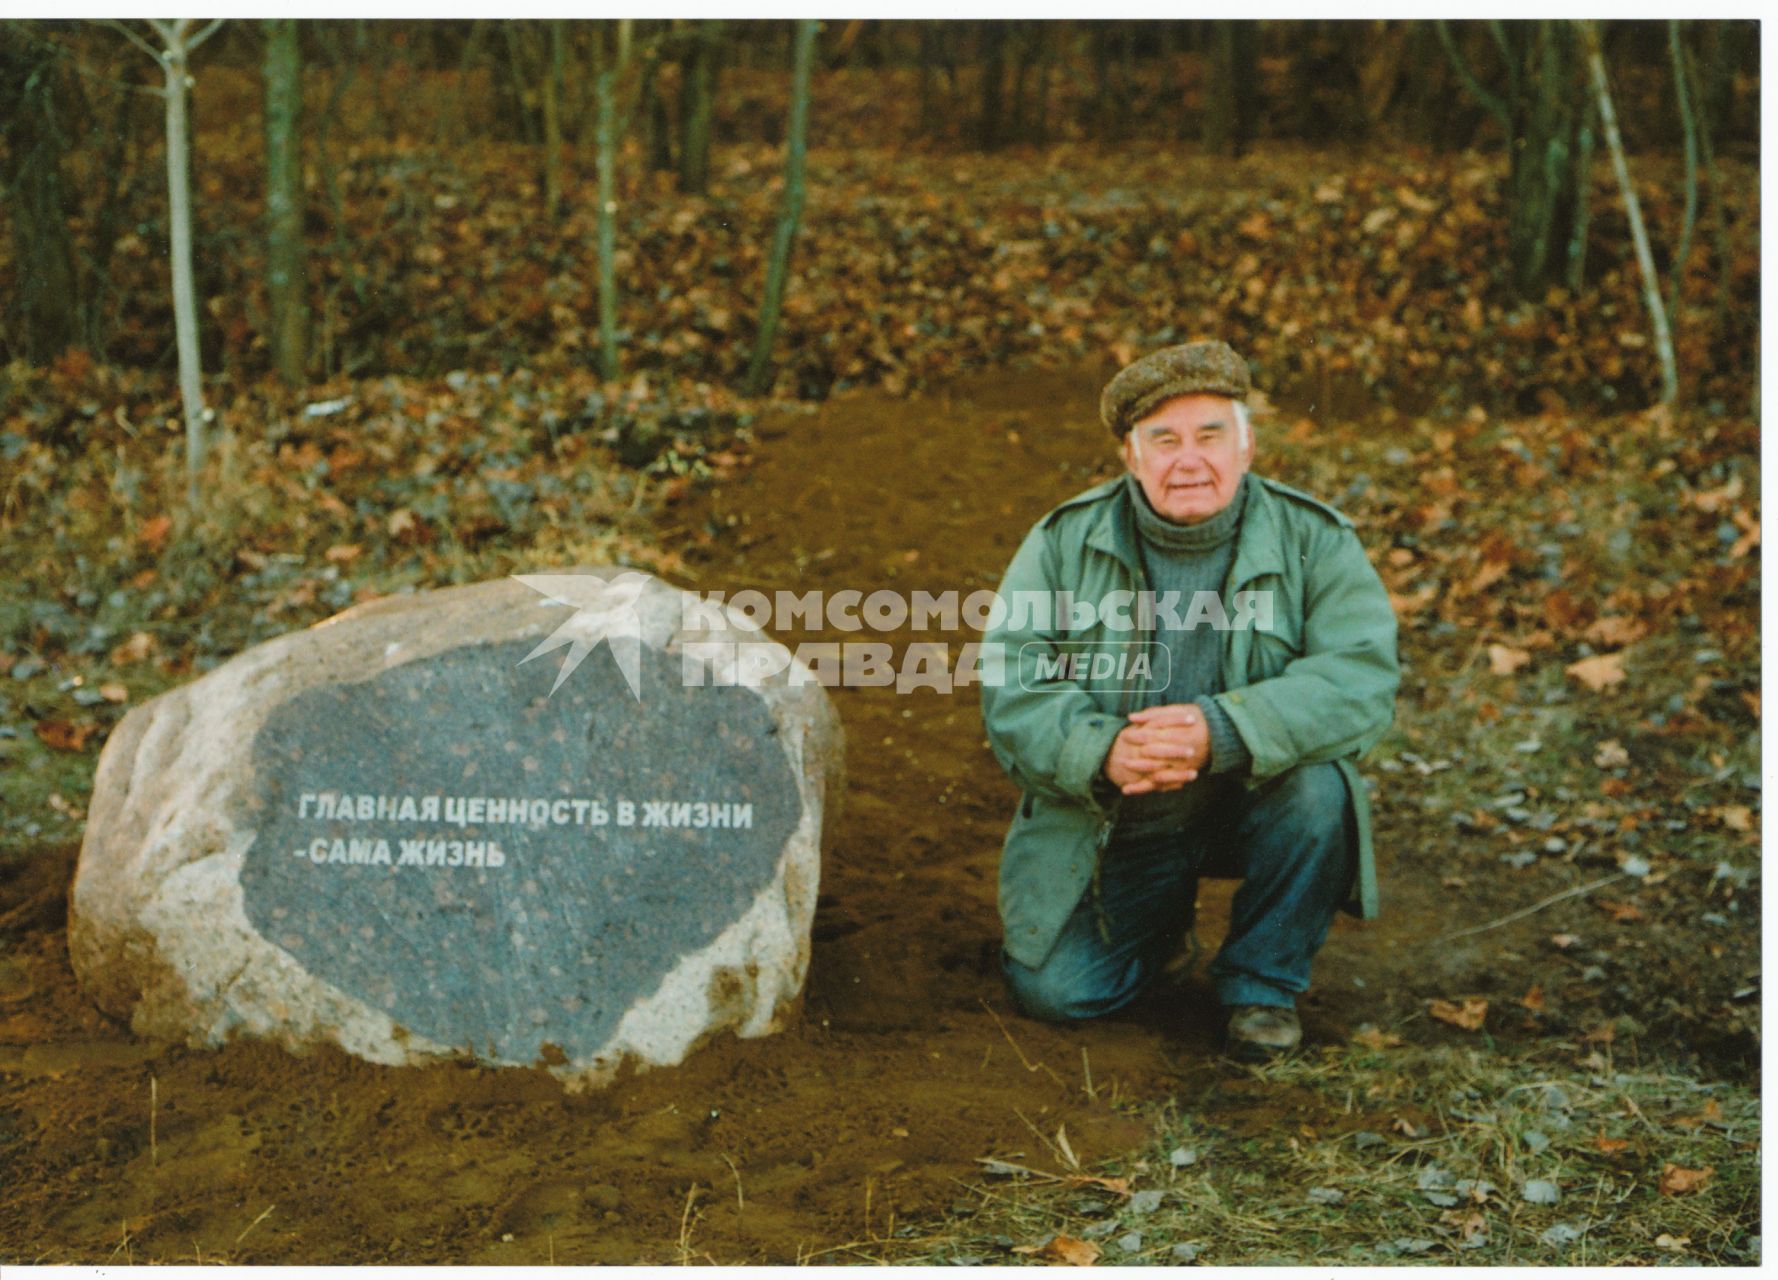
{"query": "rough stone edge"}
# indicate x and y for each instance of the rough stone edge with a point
(761, 1002)
(105, 945)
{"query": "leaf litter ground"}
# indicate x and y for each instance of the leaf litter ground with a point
(1561, 999)
(1604, 1045)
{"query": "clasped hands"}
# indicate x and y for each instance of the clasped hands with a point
(1161, 749)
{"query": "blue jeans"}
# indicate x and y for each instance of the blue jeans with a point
(1289, 842)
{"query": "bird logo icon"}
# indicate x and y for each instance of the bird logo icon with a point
(602, 610)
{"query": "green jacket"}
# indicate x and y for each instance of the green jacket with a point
(1318, 686)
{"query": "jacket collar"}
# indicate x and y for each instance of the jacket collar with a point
(1258, 547)
(1259, 550)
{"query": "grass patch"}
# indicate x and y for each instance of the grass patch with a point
(1362, 1155)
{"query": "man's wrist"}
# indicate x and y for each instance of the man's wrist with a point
(1228, 751)
(1084, 753)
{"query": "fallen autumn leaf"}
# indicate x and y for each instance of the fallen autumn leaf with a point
(1678, 1181)
(1600, 672)
(1064, 1251)
(1468, 1013)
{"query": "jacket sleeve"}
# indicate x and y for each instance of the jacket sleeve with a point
(1049, 734)
(1338, 697)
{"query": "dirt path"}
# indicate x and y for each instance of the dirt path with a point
(870, 1115)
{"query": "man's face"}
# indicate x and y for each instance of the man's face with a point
(1189, 457)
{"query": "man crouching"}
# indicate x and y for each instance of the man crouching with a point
(1254, 651)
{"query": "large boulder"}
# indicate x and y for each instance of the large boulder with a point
(407, 831)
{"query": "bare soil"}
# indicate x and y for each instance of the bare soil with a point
(862, 1122)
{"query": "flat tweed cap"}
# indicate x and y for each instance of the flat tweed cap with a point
(1193, 368)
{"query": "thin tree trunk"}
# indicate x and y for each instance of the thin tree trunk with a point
(656, 128)
(1583, 203)
(345, 71)
(796, 148)
(1229, 89)
(344, 74)
(1542, 156)
(1379, 69)
(607, 111)
(1024, 48)
(1246, 84)
(119, 185)
(1682, 92)
(185, 302)
(990, 124)
(518, 70)
(459, 112)
(697, 106)
(1492, 104)
(285, 277)
(1719, 222)
(1508, 55)
(1541, 120)
(1432, 107)
(382, 58)
(1716, 84)
(31, 175)
(1046, 63)
(552, 124)
(1219, 100)
(1099, 44)
(177, 45)
(1651, 290)
(928, 55)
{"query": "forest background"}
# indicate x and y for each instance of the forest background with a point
(296, 314)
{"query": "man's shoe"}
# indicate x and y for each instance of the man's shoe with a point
(1262, 1032)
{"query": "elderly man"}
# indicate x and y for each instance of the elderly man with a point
(1217, 739)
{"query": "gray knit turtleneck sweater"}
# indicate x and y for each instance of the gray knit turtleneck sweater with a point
(1187, 558)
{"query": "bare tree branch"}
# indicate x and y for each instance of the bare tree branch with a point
(1494, 105)
(1535, 907)
(133, 38)
(205, 34)
(1497, 29)
(26, 31)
